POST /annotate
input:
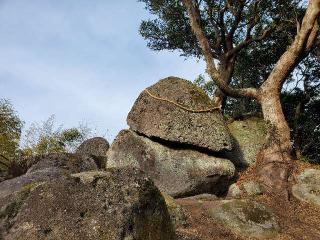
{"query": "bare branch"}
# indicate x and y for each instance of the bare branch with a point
(211, 68)
(302, 43)
(248, 41)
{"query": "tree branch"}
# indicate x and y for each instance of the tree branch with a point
(249, 40)
(303, 42)
(211, 68)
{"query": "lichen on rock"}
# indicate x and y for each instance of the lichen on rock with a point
(163, 117)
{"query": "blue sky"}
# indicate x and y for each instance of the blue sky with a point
(82, 60)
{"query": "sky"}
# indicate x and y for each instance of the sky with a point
(82, 60)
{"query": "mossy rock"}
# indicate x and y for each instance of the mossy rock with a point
(113, 205)
(307, 188)
(177, 213)
(179, 172)
(249, 136)
(246, 218)
(163, 115)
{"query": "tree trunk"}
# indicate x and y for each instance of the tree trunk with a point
(297, 130)
(274, 161)
(226, 71)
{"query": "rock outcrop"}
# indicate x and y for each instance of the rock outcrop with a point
(47, 167)
(248, 138)
(246, 218)
(307, 188)
(114, 205)
(160, 112)
(96, 148)
(175, 170)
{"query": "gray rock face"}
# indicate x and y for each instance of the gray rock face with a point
(307, 188)
(246, 218)
(248, 136)
(163, 119)
(73, 163)
(96, 148)
(113, 205)
(47, 167)
(249, 188)
(176, 212)
(178, 172)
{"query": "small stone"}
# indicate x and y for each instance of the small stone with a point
(252, 188)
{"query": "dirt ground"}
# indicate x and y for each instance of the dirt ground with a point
(298, 220)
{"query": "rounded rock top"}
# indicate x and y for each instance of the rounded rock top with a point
(96, 146)
(178, 111)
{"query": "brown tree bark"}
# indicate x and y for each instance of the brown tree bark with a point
(274, 163)
(226, 70)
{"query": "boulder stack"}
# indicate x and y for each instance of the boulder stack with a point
(178, 137)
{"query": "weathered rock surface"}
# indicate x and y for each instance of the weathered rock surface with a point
(247, 188)
(113, 205)
(178, 172)
(177, 214)
(163, 119)
(202, 197)
(96, 148)
(246, 218)
(307, 188)
(72, 163)
(47, 167)
(248, 138)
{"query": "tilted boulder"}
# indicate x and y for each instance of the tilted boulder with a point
(113, 205)
(249, 136)
(176, 171)
(96, 148)
(171, 110)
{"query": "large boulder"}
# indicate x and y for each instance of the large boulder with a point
(116, 204)
(160, 112)
(246, 218)
(176, 171)
(307, 188)
(96, 148)
(248, 138)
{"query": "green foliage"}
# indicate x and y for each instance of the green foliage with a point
(306, 123)
(10, 132)
(45, 138)
(208, 86)
(170, 29)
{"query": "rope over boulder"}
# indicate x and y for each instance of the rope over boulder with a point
(180, 112)
(181, 106)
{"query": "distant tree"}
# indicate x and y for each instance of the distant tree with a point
(10, 133)
(46, 138)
